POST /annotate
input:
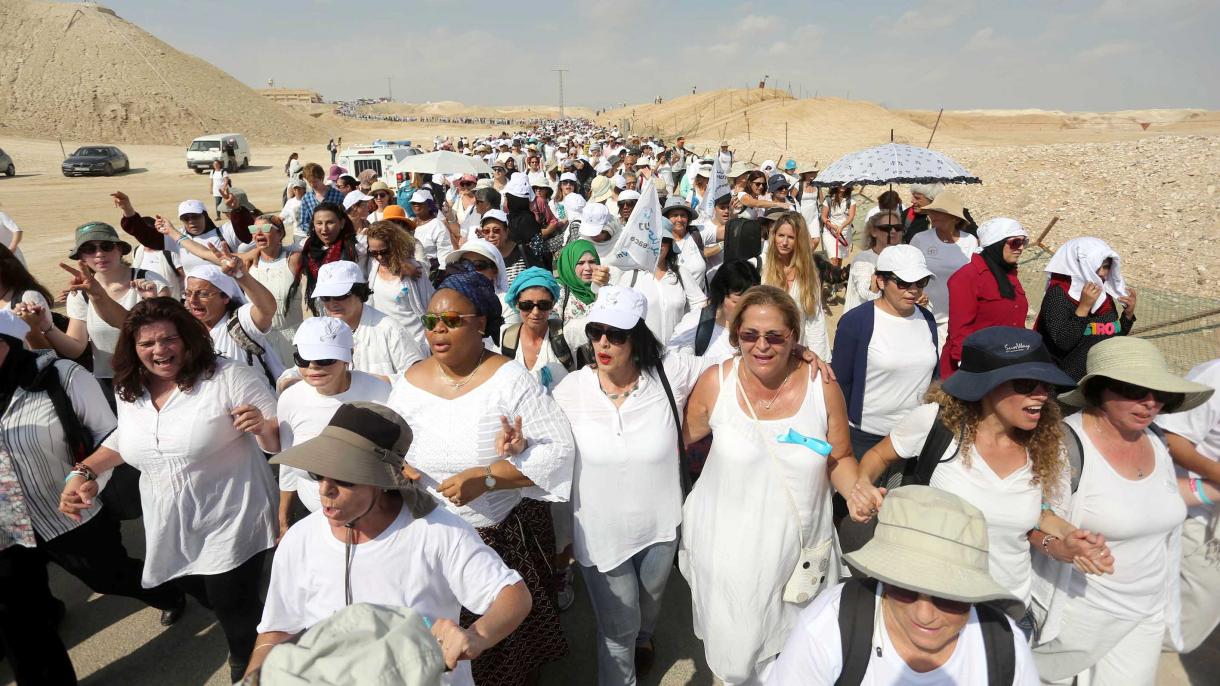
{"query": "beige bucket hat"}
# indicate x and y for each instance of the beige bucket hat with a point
(1139, 362)
(949, 203)
(930, 541)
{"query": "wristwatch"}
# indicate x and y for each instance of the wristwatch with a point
(489, 481)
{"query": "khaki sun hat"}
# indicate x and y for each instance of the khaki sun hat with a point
(600, 189)
(930, 541)
(1139, 362)
(100, 232)
(948, 203)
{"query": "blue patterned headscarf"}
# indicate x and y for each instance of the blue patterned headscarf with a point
(534, 277)
(479, 290)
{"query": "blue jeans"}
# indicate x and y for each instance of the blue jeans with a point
(626, 602)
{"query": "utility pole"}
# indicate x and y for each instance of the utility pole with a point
(389, 82)
(561, 71)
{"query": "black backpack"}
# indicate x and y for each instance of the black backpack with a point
(252, 349)
(559, 345)
(742, 239)
(857, 611)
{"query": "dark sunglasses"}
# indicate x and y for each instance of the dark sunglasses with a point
(908, 285)
(189, 216)
(1132, 392)
(1028, 386)
(529, 305)
(302, 362)
(452, 320)
(334, 298)
(627, 203)
(475, 265)
(752, 336)
(615, 335)
(378, 254)
(907, 596)
(889, 227)
(1017, 242)
(340, 484)
(92, 247)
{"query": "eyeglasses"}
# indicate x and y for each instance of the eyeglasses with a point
(475, 265)
(615, 335)
(529, 305)
(202, 294)
(908, 285)
(758, 183)
(98, 246)
(627, 203)
(1028, 386)
(340, 484)
(452, 320)
(889, 227)
(378, 254)
(1132, 392)
(1017, 242)
(907, 596)
(302, 362)
(334, 298)
(772, 338)
(381, 195)
(190, 216)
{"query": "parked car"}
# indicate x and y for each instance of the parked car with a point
(6, 163)
(232, 149)
(96, 159)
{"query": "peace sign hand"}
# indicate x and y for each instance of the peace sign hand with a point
(83, 280)
(229, 263)
(510, 440)
(227, 197)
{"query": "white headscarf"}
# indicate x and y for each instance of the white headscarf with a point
(491, 252)
(222, 281)
(1080, 258)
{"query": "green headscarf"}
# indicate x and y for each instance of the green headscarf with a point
(566, 267)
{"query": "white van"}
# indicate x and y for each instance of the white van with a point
(380, 156)
(205, 150)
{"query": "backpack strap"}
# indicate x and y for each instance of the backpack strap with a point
(253, 350)
(997, 645)
(559, 344)
(857, 611)
(703, 332)
(1075, 453)
(509, 341)
(683, 460)
(919, 470)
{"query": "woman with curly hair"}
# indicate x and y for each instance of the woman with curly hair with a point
(1003, 454)
(788, 265)
(398, 283)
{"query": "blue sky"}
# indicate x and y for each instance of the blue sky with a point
(1049, 54)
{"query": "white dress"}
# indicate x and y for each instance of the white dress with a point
(860, 280)
(277, 277)
(739, 535)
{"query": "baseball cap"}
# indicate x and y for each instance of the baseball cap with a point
(295, 183)
(497, 215)
(593, 219)
(324, 338)
(618, 306)
(904, 261)
(337, 278)
(628, 195)
(602, 166)
(350, 200)
(569, 176)
(643, 162)
(190, 207)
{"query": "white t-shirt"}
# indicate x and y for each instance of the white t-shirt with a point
(943, 260)
(435, 565)
(8, 229)
(1200, 426)
(303, 412)
(290, 214)
(104, 336)
(218, 181)
(227, 346)
(470, 225)
(860, 280)
(405, 300)
(547, 369)
(901, 358)
(382, 346)
(669, 299)
(814, 654)
(1012, 506)
(691, 262)
(435, 239)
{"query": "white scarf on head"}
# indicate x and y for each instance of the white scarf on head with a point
(1079, 259)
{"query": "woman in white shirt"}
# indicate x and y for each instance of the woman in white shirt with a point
(670, 295)
(884, 229)
(323, 356)
(196, 426)
(689, 241)
(788, 265)
(945, 249)
(490, 444)
(10, 235)
(626, 431)
(838, 215)
(238, 312)
(1114, 625)
(399, 285)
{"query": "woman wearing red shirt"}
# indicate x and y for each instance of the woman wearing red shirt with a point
(986, 291)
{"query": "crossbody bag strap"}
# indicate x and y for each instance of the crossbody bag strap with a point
(683, 460)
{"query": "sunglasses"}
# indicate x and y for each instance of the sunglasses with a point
(1017, 242)
(889, 227)
(378, 254)
(304, 363)
(907, 596)
(908, 285)
(752, 336)
(475, 265)
(529, 305)
(1132, 392)
(263, 228)
(615, 335)
(334, 298)
(452, 320)
(340, 484)
(98, 246)
(1028, 386)
(190, 216)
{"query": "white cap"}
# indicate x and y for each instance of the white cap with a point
(643, 162)
(337, 278)
(190, 207)
(573, 203)
(480, 247)
(602, 166)
(904, 261)
(425, 194)
(620, 181)
(213, 275)
(518, 185)
(999, 228)
(628, 195)
(354, 197)
(498, 215)
(767, 166)
(569, 176)
(12, 325)
(324, 338)
(593, 219)
(618, 306)
(705, 171)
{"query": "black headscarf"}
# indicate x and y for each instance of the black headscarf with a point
(993, 255)
(522, 224)
(19, 369)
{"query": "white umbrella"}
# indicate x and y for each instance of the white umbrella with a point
(443, 162)
(894, 163)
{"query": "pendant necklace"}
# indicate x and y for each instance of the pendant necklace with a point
(458, 384)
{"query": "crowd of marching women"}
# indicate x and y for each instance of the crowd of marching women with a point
(607, 358)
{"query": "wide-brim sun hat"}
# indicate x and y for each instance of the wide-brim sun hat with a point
(930, 541)
(948, 203)
(676, 203)
(1139, 362)
(601, 189)
(350, 448)
(997, 354)
(99, 232)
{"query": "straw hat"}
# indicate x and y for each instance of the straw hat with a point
(930, 541)
(948, 203)
(1136, 361)
(600, 189)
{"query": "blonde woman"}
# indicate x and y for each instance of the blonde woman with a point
(398, 283)
(789, 266)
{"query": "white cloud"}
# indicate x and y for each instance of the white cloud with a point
(1105, 51)
(930, 16)
(779, 48)
(1130, 9)
(753, 23)
(982, 39)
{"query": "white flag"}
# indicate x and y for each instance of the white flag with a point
(717, 186)
(639, 244)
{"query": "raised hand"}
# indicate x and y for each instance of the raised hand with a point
(123, 202)
(83, 280)
(601, 275)
(510, 440)
(165, 227)
(37, 317)
(146, 288)
(1089, 295)
(229, 263)
(227, 196)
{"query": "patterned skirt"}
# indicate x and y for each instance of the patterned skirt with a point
(525, 541)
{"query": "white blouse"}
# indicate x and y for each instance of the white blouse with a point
(669, 299)
(404, 299)
(381, 346)
(454, 435)
(205, 487)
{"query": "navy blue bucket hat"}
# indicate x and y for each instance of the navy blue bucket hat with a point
(997, 354)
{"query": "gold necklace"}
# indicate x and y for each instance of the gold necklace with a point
(458, 384)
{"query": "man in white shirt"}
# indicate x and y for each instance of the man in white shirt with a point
(219, 179)
(381, 539)
(290, 214)
(922, 620)
(382, 345)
